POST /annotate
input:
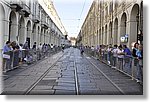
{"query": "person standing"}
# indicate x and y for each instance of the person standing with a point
(139, 54)
(6, 55)
(34, 46)
(114, 52)
(127, 59)
(134, 53)
(120, 53)
(81, 49)
(109, 49)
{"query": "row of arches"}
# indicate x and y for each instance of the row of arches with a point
(124, 24)
(15, 27)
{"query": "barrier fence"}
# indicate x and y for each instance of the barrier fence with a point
(17, 58)
(126, 64)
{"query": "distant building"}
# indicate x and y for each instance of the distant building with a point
(73, 41)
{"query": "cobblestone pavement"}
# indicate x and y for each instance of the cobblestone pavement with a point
(69, 73)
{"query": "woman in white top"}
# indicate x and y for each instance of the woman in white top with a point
(120, 53)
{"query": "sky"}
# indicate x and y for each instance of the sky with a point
(72, 14)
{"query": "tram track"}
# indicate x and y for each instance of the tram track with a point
(76, 80)
(41, 77)
(100, 71)
(47, 71)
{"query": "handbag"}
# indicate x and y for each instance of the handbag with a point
(6, 56)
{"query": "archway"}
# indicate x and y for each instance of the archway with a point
(22, 31)
(115, 35)
(29, 29)
(105, 36)
(123, 25)
(33, 34)
(102, 35)
(110, 39)
(2, 17)
(134, 28)
(42, 36)
(13, 27)
(38, 36)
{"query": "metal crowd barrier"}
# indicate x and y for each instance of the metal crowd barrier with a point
(20, 57)
(126, 64)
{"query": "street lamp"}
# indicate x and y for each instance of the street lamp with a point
(137, 19)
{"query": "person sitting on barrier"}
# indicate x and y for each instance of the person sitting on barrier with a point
(139, 54)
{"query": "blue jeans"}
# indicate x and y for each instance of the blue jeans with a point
(139, 72)
(127, 66)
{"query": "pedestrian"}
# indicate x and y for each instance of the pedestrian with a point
(139, 54)
(52, 47)
(40, 51)
(26, 51)
(40, 47)
(92, 49)
(25, 46)
(6, 56)
(135, 49)
(114, 52)
(63, 47)
(14, 45)
(127, 59)
(134, 53)
(109, 49)
(34, 46)
(20, 53)
(120, 53)
(81, 49)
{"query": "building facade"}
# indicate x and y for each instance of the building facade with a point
(30, 20)
(113, 22)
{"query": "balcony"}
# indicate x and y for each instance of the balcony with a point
(36, 19)
(26, 10)
(20, 6)
(44, 25)
(16, 5)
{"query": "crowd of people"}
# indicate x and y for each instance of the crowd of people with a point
(13, 46)
(121, 52)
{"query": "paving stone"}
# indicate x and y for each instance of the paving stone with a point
(66, 84)
(59, 87)
(41, 92)
(42, 87)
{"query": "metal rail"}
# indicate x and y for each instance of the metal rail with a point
(106, 77)
(42, 76)
(76, 80)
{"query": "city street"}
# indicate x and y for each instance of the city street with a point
(69, 73)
